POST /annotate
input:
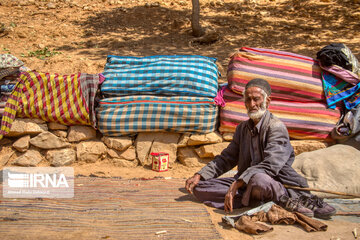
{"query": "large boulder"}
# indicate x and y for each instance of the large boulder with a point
(336, 168)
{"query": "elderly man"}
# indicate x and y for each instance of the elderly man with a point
(263, 154)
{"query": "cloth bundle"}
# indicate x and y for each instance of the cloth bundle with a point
(178, 75)
(311, 120)
(341, 80)
(119, 116)
(277, 215)
(10, 68)
(66, 99)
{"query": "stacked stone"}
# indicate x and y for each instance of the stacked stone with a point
(33, 142)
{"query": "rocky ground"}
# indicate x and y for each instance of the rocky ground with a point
(69, 36)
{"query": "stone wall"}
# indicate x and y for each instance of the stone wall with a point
(32, 142)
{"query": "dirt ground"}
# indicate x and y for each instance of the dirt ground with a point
(70, 36)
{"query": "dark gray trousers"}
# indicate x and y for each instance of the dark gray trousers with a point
(261, 187)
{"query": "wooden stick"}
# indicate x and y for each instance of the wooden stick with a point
(341, 213)
(321, 190)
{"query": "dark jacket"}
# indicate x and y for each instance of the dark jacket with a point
(276, 154)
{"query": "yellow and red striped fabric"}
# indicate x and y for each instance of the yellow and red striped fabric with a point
(65, 99)
(53, 98)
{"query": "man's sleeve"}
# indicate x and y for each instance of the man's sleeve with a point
(276, 153)
(224, 162)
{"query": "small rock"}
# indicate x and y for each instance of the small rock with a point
(81, 133)
(60, 134)
(47, 140)
(22, 144)
(184, 139)
(63, 157)
(188, 157)
(91, 151)
(211, 150)
(5, 157)
(200, 139)
(228, 136)
(117, 143)
(56, 126)
(124, 163)
(21, 127)
(51, 6)
(128, 154)
(29, 159)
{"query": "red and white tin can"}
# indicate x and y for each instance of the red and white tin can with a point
(160, 161)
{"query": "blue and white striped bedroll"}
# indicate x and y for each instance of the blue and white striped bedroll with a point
(181, 75)
(119, 116)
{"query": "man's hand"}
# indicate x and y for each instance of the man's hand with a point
(229, 197)
(192, 182)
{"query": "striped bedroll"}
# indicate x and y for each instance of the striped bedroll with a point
(65, 99)
(292, 77)
(119, 116)
(182, 75)
(305, 121)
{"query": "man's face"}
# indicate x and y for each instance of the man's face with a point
(255, 104)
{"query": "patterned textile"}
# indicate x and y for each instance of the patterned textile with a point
(183, 75)
(52, 98)
(10, 110)
(145, 113)
(4, 72)
(292, 77)
(303, 120)
(9, 61)
(337, 90)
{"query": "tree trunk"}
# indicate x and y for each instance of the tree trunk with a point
(197, 31)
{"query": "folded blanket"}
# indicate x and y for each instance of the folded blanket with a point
(144, 113)
(183, 75)
(292, 77)
(337, 90)
(303, 120)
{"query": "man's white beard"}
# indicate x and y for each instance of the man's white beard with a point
(258, 115)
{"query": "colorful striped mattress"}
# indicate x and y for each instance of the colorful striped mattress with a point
(292, 77)
(303, 120)
(182, 75)
(145, 113)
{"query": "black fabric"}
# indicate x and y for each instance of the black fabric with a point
(332, 55)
